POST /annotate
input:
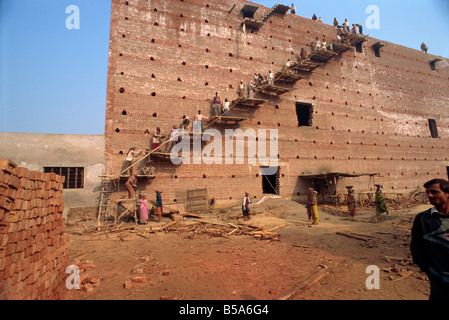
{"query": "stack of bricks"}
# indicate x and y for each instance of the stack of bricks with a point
(33, 247)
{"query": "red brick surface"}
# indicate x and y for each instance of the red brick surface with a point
(33, 247)
(370, 116)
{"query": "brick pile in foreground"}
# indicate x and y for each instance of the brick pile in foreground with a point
(33, 247)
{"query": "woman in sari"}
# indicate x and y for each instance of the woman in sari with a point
(143, 209)
(351, 202)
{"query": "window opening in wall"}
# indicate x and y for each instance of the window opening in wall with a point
(74, 176)
(359, 47)
(377, 51)
(447, 170)
(433, 63)
(270, 180)
(433, 128)
(304, 113)
(249, 10)
(376, 48)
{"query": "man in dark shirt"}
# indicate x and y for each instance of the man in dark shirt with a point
(430, 239)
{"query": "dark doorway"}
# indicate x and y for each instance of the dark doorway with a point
(304, 113)
(447, 170)
(433, 128)
(270, 180)
(377, 51)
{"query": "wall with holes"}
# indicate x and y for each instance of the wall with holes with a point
(370, 114)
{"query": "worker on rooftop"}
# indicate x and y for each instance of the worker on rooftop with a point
(293, 9)
(346, 26)
(336, 23)
(424, 47)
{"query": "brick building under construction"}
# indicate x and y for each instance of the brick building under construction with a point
(362, 112)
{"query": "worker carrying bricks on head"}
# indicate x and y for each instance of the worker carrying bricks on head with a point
(130, 184)
(216, 103)
(312, 205)
(130, 157)
(429, 245)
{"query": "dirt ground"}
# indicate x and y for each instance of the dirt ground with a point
(191, 265)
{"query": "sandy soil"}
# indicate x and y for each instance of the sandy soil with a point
(197, 266)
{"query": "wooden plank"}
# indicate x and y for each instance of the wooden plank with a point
(351, 236)
(270, 88)
(252, 23)
(322, 55)
(228, 119)
(288, 77)
(306, 65)
(164, 227)
(246, 102)
(305, 284)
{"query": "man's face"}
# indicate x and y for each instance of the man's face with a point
(436, 196)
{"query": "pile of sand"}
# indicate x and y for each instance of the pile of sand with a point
(278, 207)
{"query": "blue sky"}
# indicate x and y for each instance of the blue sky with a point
(53, 79)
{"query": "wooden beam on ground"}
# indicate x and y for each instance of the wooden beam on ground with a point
(305, 284)
(164, 227)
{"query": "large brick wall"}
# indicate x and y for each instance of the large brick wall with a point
(167, 58)
(33, 247)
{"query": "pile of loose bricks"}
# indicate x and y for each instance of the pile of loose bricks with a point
(33, 247)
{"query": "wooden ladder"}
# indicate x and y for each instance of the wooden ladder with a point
(105, 196)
